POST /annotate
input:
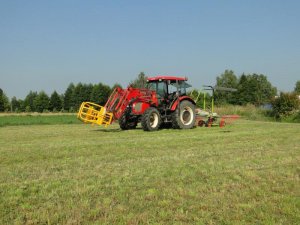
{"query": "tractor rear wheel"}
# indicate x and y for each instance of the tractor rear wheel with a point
(125, 124)
(186, 117)
(151, 119)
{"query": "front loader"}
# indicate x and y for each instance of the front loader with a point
(164, 103)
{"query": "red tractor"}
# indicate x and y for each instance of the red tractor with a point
(164, 103)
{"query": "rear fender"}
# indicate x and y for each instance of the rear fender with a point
(181, 98)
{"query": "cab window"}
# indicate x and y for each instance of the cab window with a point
(159, 87)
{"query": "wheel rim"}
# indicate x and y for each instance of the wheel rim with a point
(186, 116)
(153, 120)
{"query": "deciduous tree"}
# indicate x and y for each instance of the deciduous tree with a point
(285, 105)
(227, 79)
(255, 89)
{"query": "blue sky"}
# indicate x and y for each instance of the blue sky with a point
(45, 45)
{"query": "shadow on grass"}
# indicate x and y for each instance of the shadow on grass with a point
(115, 130)
(108, 130)
(225, 131)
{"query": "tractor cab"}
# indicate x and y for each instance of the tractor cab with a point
(168, 88)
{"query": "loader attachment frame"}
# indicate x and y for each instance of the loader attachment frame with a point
(92, 113)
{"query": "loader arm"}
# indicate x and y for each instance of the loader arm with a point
(116, 105)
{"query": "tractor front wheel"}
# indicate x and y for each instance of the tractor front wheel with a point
(151, 119)
(184, 116)
(125, 124)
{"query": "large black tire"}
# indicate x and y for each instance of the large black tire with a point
(125, 124)
(151, 119)
(186, 117)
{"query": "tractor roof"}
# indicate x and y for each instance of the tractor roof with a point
(161, 77)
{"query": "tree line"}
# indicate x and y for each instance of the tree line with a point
(251, 89)
(70, 101)
(255, 89)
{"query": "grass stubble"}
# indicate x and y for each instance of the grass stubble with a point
(245, 173)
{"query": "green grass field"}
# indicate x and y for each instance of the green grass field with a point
(37, 118)
(245, 173)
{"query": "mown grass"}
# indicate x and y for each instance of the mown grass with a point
(245, 173)
(31, 119)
